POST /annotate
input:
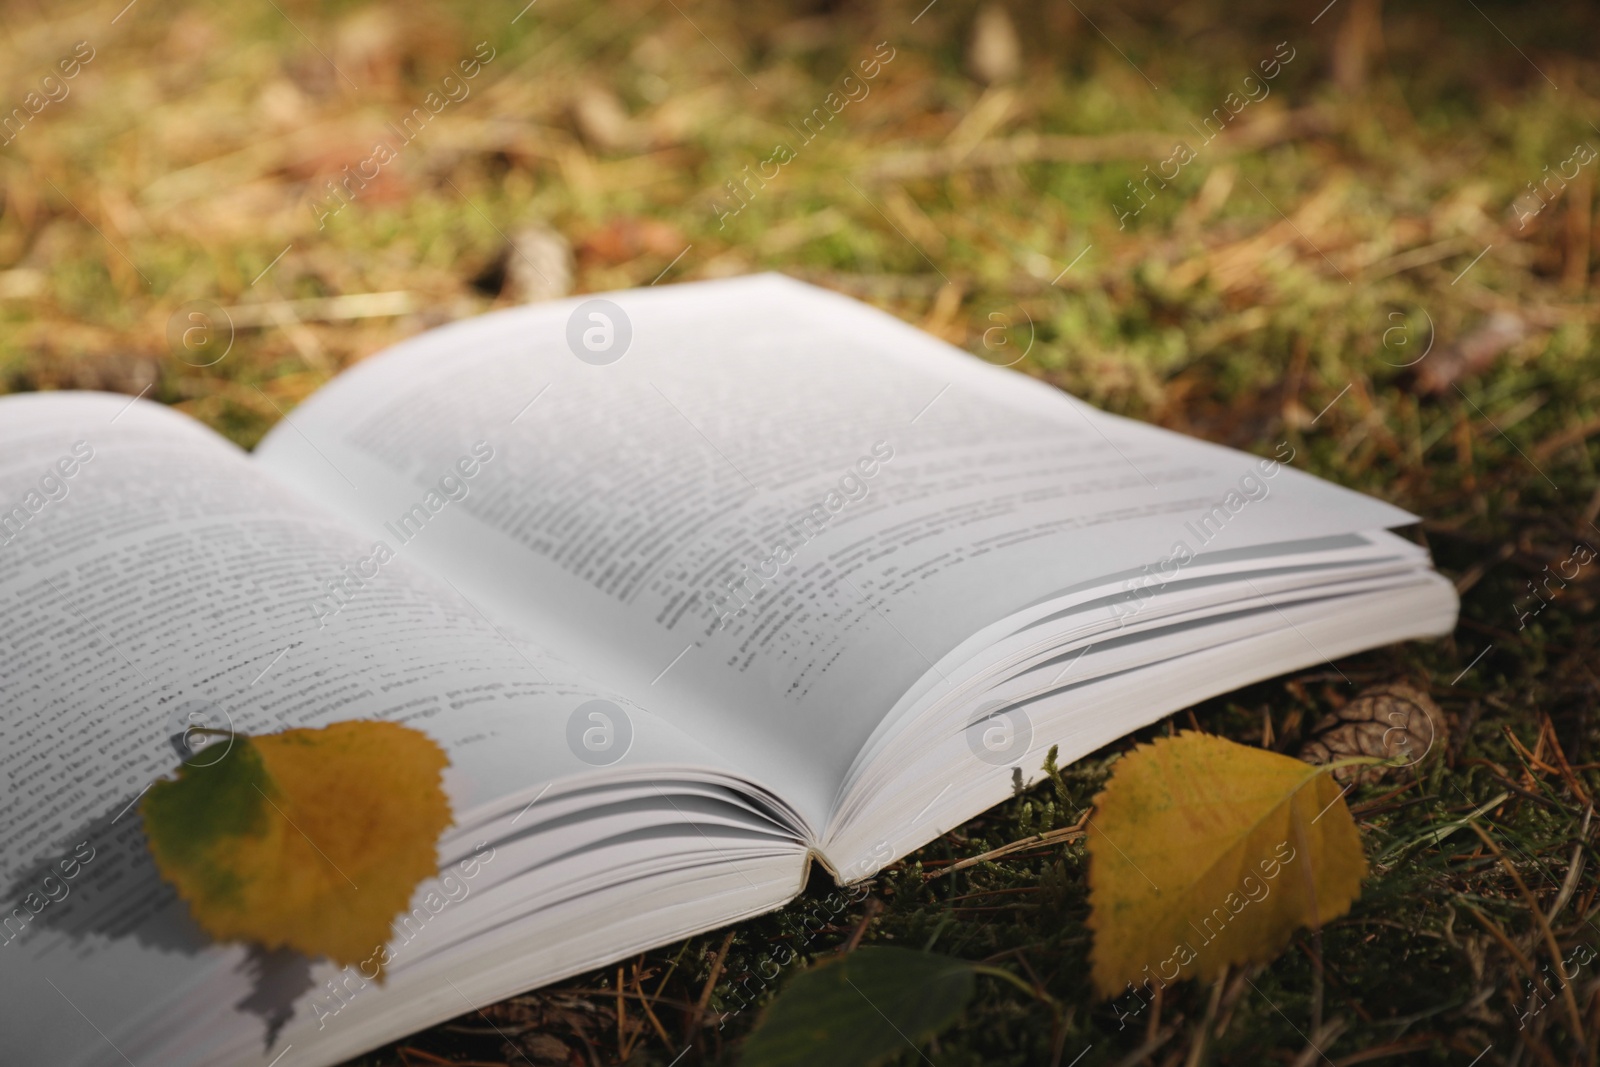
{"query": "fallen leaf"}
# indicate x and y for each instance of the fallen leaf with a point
(310, 839)
(626, 238)
(1205, 853)
(1472, 355)
(860, 1008)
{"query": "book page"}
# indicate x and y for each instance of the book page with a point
(765, 509)
(162, 570)
(152, 581)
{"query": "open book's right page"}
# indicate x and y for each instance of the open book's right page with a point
(767, 512)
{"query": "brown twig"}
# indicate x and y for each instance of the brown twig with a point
(1323, 1035)
(623, 1046)
(874, 905)
(638, 985)
(1548, 730)
(1093, 148)
(1561, 439)
(1197, 1046)
(1316, 981)
(1567, 998)
(1522, 750)
(1151, 1046)
(1396, 1048)
(1231, 998)
(408, 1051)
(1369, 806)
(642, 997)
(1505, 941)
(711, 983)
(1152, 1029)
(1049, 837)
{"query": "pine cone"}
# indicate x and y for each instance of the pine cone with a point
(1383, 720)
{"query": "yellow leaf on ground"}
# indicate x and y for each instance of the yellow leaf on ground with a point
(311, 839)
(1204, 853)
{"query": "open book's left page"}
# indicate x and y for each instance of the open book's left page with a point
(152, 579)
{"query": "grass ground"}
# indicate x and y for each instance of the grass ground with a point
(1415, 180)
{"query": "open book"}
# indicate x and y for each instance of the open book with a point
(693, 585)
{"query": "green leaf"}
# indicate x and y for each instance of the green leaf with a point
(209, 803)
(859, 1009)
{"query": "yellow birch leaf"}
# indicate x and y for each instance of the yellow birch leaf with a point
(310, 839)
(1204, 853)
